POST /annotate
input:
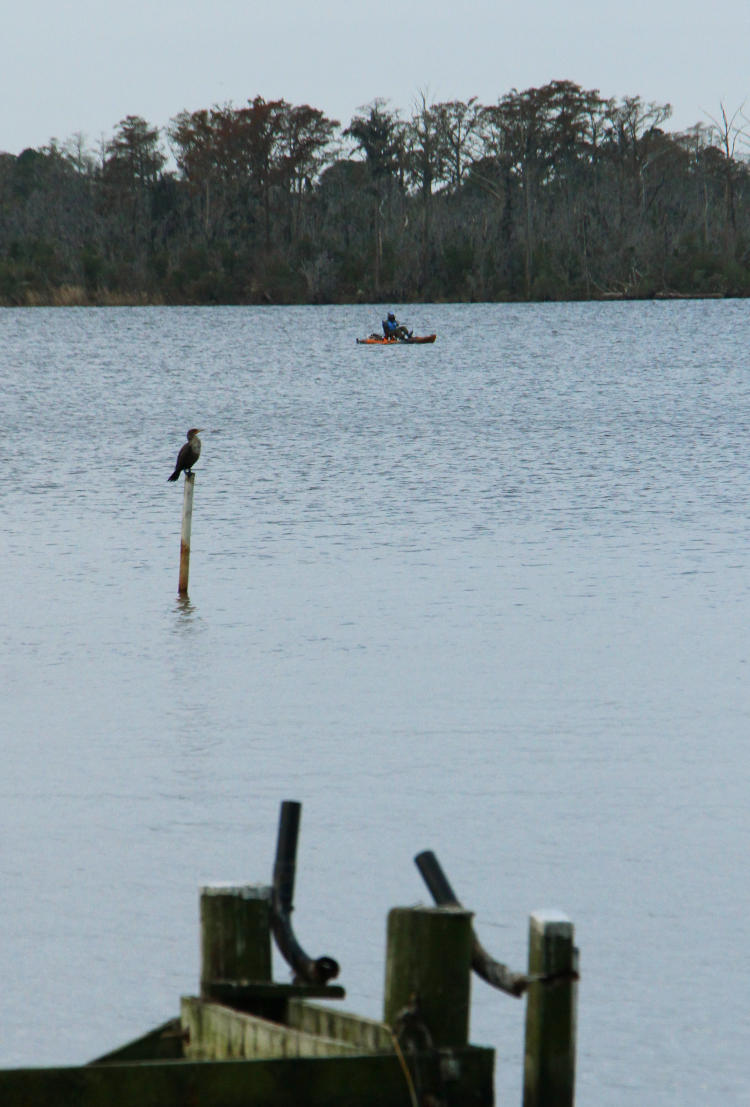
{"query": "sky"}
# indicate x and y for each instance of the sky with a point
(80, 66)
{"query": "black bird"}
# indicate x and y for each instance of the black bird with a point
(189, 453)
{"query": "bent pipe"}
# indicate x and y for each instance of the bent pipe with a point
(307, 969)
(494, 972)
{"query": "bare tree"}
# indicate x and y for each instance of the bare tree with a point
(729, 136)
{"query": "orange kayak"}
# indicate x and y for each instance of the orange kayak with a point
(378, 340)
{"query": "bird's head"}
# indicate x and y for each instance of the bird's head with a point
(193, 431)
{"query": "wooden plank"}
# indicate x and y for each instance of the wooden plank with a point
(217, 1033)
(368, 1035)
(305, 1082)
(239, 993)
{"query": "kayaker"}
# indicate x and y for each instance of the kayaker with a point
(390, 325)
(393, 329)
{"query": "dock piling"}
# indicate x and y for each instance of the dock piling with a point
(235, 936)
(428, 973)
(549, 1060)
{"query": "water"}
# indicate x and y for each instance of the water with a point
(487, 597)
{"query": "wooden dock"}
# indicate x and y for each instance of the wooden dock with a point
(248, 1041)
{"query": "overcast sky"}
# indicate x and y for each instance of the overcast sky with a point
(72, 66)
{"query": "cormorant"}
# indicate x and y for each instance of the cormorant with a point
(189, 453)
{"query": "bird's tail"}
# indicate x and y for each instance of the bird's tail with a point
(175, 475)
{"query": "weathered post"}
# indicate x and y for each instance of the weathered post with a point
(187, 522)
(549, 1061)
(428, 972)
(235, 935)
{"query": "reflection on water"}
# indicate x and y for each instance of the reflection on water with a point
(184, 607)
(487, 597)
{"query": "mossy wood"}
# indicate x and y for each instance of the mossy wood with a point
(428, 971)
(549, 1061)
(367, 1081)
(235, 934)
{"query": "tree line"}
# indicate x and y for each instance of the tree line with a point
(550, 193)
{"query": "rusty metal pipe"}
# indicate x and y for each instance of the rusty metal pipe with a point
(312, 971)
(490, 970)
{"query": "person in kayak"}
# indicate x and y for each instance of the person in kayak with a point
(393, 329)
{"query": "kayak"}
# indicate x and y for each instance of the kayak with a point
(412, 340)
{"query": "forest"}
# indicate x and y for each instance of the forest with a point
(551, 193)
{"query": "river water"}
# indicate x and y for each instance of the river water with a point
(488, 597)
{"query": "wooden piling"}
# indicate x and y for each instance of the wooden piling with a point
(187, 522)
(235, 935)
(428, 974)
(549, 1060)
